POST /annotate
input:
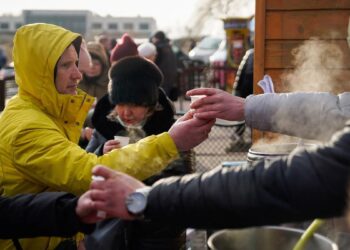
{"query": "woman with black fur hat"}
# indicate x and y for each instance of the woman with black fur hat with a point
(137, 107)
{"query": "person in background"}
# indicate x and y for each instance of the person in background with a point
(243, 87)
(140, 108)
(113, 43)
(95, 80)
(85, 60)
(105, 41)
(243, 84)
(84, 66)
(41, 125)
(166, 61)
(148, 50)
(3, 58)
(126, 47)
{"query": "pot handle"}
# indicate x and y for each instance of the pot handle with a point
(308, 234)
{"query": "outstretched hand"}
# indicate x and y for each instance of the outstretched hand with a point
(188, 131)
(217, 104)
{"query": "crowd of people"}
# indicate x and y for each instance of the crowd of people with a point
(75, 96)
(41, 152)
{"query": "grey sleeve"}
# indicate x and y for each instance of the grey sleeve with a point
(315, 115)
(259, 194)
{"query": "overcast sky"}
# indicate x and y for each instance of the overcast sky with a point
(170, 15)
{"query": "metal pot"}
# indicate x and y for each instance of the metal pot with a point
(267, 151)
(266, 238)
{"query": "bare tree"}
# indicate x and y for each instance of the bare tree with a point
(207, 10)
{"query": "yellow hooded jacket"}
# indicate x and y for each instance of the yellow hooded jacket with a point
(40, 128)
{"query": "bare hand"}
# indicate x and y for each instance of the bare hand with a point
(217, 104)
(86, 209)
(110, 145)
(188, 131)
(88, 133)
(109, 195)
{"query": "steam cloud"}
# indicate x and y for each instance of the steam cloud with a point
(317, 67)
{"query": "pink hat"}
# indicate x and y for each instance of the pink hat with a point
(126, 47)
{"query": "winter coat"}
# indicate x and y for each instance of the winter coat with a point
(159, 122)
(243, 85)
(40, 128)
(33, 215)
(96, 86)
(140, 235)
(307, 184)
(316, 115)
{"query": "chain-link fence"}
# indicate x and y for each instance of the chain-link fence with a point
(228, 141)
(222, 145)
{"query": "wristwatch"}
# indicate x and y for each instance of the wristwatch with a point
(136, 202)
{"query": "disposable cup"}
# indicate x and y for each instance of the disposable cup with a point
(123, 140)
(196, 97)
(100, 214)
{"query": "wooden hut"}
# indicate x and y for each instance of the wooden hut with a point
(302, 45)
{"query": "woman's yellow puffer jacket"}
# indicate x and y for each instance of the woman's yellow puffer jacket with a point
(40, 128)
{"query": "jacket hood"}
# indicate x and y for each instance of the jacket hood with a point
(96, 86)
(98, 50)
(37, 49)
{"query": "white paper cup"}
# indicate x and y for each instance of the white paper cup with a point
(100, 214)
(123, 140)
(196, 97)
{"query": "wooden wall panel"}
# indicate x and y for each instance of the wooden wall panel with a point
(303, 25)
(340, 82)
(282, 26)
(279, 53)
(306, 4)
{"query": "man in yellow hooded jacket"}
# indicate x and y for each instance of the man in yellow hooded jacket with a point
(40, 126)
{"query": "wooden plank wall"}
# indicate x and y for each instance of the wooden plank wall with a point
(283, 26)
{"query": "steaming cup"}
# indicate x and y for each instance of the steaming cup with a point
(123, 140)
(196, 97)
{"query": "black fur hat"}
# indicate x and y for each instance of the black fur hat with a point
(135, 80)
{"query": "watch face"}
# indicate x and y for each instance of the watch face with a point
(136, 203)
